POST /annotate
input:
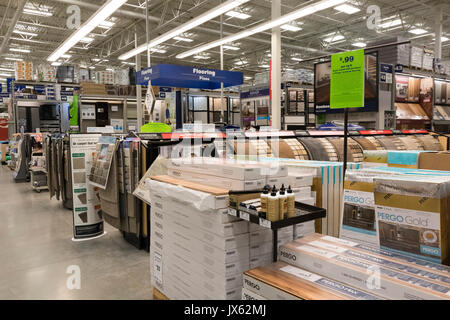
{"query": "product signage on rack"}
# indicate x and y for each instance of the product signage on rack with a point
(188, 77)
(386, 71)
(87, 219)
(347, 80)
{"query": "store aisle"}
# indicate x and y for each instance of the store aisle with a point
(36, 249)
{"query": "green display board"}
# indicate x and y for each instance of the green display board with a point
(347, 80)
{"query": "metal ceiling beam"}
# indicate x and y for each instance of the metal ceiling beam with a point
(12, 25)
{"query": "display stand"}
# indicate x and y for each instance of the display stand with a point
(304, 213)
(35, 181)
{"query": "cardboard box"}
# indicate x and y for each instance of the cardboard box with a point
(355, 272)
(280, 281)
(434, 161)
(235, 198)
(413, 215)
(411, 266)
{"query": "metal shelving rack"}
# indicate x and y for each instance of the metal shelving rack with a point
(304, 212)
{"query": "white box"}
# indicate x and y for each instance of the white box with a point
(265, 290)
(300, 180)
(250, 295)
(267, 235)
(206, 179)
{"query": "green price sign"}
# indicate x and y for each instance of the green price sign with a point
(347, 80)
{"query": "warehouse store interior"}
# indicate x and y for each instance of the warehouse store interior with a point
(224, 150)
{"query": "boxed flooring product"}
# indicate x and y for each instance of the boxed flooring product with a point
(413, 215)
(404, 159)
(434, 161)
(209, 180)
(249, 295)
(358, 273)
(194, 194)
(233, 169)
(403, 264)
(280, 281)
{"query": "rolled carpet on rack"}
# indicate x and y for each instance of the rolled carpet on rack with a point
(354, 151)
(411, 143)
(391, 143)
(430, 143)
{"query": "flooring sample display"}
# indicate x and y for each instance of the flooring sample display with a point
(82, 197)
(430, 142)
(354, 151)
(83, 216)
(365, 143)
(79, 177)
(413, 89)
(353, 271)
(319, 149)
(249, 148)
(411, 143)
(410, 111)
(391, 143)
(290, 148)
(442, 112)
(281, 281)
(79, 163)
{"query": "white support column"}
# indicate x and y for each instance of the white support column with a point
(138, 89)
(438, 33)
(276, 67)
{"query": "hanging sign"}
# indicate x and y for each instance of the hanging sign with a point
(87, 219)
(347, 80)
(386, 71)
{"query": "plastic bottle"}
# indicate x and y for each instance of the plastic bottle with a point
(283, 202)
(264, 198)
(290, 203)
(273, 206)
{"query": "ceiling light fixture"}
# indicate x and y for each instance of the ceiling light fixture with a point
(391, 24)
(264, 66)
(201, 57)
(6, 69)
(19, 50)
(40, 11)
(297, 14)
(346, 8)
(86, 40)
(13, 59)
(106, 24)
(208, 15)
(25, 33)
(239, 15)
(296, 59)
(359, 44)
(228, 47)
(443, 39)
(56, 64)
(418, 31)
(66, 56)
(5, 74)
(290, 27)
(334, 38)
(178, 38)
(98, 17)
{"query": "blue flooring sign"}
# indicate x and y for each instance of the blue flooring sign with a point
(188, 77)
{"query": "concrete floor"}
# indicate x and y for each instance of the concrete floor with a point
(36, 248)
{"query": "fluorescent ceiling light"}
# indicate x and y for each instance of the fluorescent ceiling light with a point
(290, 27)
(391, 24)
(230, 47)
(56, 64)
(208, 15)
(202, 57)
(296, 59)
(106, 24)
(95, 59)
(158, 50)
(264, 66)
(443, 39)
(19, 50)
(334, 38)
(346, 8)
(66, 56)
(25, 33)
(6, 69)
(418, 31)
(109, 69)
(98, 17)
(294, 15)
(13, 59)
(6, 74)
(32, 10)
(359, 44)
(239, 15)
(178, 38)
(105, 60)
(248, 78)
(87, 40)
(91, 67)
(240, 63)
